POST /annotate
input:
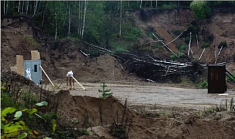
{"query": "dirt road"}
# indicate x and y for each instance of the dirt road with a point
(151, 95)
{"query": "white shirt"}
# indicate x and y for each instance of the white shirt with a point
(70, 73)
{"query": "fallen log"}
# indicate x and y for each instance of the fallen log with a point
(158, 70)
(219, 53)
(84, 53)
(202, 53)
(97, 47)
(165, 45)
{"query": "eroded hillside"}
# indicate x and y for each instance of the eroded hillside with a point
(168, 24)
(60, 56)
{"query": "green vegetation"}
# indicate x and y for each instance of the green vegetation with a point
(6, 101)
(230, 78)
(202, 85)
(98, 22)
(14, 123)
(187, 39)
(224, 44)
(105, 91)
(181, 47)
(205, 45)
(200, 9)
(120, 46)
(211, 111)
(169, 6)
(120, 129)
(31, 41)
(133, 34)
(174, 57)
(193, 29)
(22, 117)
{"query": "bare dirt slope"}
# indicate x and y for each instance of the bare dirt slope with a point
(221, 26)
(88, 111)
(57, 57)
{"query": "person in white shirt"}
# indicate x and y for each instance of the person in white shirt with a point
(70, 79)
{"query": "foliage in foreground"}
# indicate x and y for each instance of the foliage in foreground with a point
(38, 121)
(13, 123)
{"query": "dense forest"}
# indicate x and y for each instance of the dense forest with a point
(98, 22)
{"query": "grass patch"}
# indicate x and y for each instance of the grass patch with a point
(202, 85)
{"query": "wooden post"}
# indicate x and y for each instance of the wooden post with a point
(79, 83)
(47, 76)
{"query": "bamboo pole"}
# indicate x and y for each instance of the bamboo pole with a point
(165, 45)
(79, 83)
(47, 76)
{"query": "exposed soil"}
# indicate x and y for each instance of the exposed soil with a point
(87, 111)
(60, 57)
(220, 26)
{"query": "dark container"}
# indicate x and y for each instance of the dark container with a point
(216, 78)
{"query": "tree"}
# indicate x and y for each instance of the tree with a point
(120, 28)
(200, 9)
(140, 4)
(4, 8)
(84, 18)
(35, 7)
(69, 19)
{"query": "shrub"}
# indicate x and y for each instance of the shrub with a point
(200, 9)
(180, 55)
(202, 85)
(6, 100)
(181, 47)
(15, 123)
(192, 29)
(172, 56)
(205, 45)
(133, 34)
(224, 44)
(155, 46)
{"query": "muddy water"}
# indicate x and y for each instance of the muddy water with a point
(149, 95)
